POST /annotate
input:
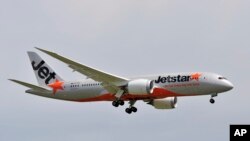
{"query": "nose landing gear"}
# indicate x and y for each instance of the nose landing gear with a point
(212, 101)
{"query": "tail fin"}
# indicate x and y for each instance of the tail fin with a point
(44, 73)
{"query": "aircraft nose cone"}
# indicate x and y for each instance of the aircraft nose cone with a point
(228, 86)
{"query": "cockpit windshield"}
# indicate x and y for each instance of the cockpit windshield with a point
(221, 78)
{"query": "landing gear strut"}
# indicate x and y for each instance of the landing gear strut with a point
(131, 108)
(118, 101)
(212, 101)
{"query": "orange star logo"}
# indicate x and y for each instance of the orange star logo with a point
(57, 85)
(195, 76)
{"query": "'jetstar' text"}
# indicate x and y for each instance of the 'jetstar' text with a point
(173, 79)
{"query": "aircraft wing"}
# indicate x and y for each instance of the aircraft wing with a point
(34, 87)
(110, 82)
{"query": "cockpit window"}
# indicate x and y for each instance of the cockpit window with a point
(221, 78)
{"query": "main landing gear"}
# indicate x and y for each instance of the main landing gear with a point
(117, 103)
(118, 100)
(128, 110)
(131, 108)
(212, 101)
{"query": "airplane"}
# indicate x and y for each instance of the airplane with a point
(160, 91)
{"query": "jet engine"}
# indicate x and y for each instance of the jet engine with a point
(140, 87)
(166, 103)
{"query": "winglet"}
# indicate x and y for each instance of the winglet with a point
(45, 51)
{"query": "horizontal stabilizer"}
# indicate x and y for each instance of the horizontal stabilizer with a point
(34, 87)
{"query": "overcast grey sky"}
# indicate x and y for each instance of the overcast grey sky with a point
(126, 38)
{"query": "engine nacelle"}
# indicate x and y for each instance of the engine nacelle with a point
(140, 87)
(166, 103)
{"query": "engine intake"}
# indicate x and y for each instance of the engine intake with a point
(140, 87)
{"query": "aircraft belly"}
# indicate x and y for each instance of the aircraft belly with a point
(73, 95)
(80, 94)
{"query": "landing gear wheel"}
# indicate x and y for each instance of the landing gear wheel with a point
(115, 103)
(212, 101)
(121, 102)
(131, 107)
(128, 110)
(134, 109)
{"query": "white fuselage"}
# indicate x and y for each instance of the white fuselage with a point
(172, 85)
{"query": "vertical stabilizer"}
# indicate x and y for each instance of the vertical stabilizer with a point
(44, 73)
